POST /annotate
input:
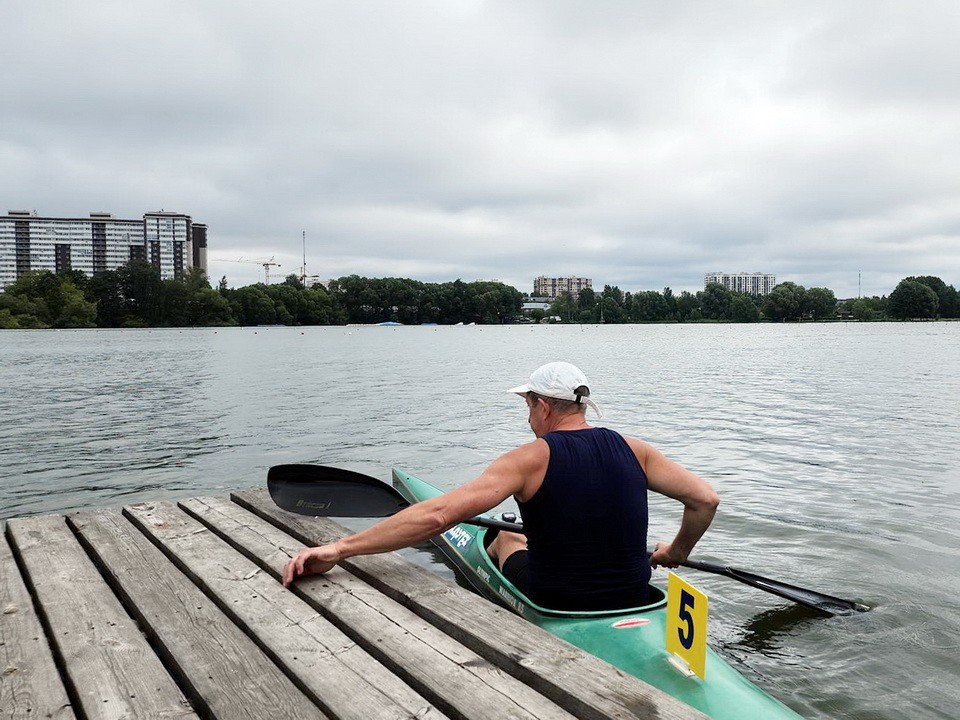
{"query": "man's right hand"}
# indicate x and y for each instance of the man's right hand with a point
(311, 561)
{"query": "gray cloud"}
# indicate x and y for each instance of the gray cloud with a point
(642, 144)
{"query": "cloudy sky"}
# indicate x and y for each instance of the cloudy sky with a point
(641, 144)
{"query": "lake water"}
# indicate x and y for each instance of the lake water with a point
(834, 449)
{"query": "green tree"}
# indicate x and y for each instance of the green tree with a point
(687, 305)
(821, 303)
(649, 306)
(865, 309)
(252, 306)
(563, 306)
(7, 319)
(320, 308)
(947, 301)
(614, 292)
(105, 291)
(715, 301)
(172, 305)
(912, 299)
(42, 299)
(671, 302)
(589, 305)
(208, 307)
(76, 311)
(23, 311)
(293, 281)
(743, 309)
(613, 305)
(143, 294)
(612, 310)
(787, 301)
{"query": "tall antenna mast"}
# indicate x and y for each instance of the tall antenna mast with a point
(303, 268)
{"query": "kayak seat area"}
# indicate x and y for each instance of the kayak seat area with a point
(657, 600)
(657, 596)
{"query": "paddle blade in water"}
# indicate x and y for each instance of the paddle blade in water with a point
(805, 596)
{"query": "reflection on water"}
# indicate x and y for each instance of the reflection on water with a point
(765, 631)
(833, 448)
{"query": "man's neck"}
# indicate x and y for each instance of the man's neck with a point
(575, 421)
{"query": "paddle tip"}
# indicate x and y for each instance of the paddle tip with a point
(849, 607)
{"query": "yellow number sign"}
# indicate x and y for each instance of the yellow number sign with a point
(687, 623)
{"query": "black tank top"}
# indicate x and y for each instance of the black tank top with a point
(587, 524)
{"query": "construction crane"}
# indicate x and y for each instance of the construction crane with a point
(267, 264)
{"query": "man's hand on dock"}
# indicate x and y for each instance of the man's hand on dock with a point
(311, 561)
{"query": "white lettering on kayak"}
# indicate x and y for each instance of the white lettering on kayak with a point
(484, 575)
(510, 599)
(458, 536)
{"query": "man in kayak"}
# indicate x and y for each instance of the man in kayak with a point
(582, 494)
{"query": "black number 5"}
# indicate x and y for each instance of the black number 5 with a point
(686, 605)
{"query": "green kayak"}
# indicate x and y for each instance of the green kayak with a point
(631, 639)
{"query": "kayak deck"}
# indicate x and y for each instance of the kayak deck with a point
(632, 639)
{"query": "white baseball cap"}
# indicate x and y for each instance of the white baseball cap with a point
(558, 380)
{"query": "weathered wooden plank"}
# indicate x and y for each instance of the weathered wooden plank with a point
(341, 676)
(581, 683)
(109, 663)
(449, 674)
(224, 671)
(30, 685)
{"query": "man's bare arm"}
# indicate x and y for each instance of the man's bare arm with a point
(699, 500)
(506, 476)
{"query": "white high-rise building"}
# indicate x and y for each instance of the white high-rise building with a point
(750, 283)
(170, 241)
(549, 287)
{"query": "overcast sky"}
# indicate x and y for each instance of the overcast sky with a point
(641, 144)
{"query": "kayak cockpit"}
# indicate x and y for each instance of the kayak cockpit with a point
(657, 597)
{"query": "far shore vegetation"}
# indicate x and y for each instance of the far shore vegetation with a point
(135, 296)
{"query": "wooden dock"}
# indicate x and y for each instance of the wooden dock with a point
(164, 610)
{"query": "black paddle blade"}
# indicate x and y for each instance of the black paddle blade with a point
(323, 491)
(811, 598)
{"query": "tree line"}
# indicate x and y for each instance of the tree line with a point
(925, 297)
(134, 295)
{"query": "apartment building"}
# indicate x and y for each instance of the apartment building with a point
(551, 287)
(170, 241)
(750, 283)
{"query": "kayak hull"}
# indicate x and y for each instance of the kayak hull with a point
(632, 639)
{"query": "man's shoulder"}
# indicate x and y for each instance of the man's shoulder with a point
(531, 450)
(640, 447)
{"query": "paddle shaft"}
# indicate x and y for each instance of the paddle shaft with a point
(810, 598)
